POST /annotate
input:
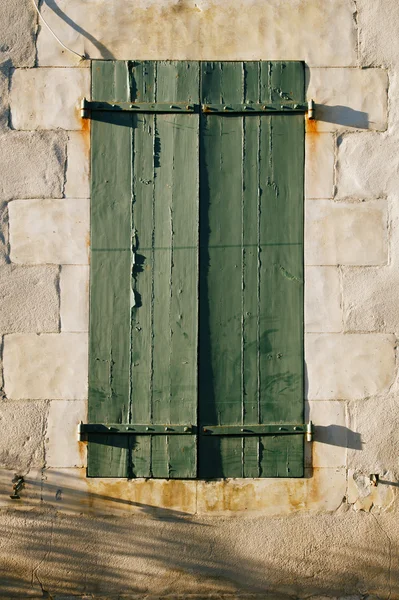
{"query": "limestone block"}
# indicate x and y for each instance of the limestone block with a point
(319, 165)
(330, 437)
(325, 32)
(48, 98)
(45, 366)
(370, 299)
(349, 98)
(348, 366)
(77, 183)
(378, 27)
(322, 300)
(365, 496)
(343, 233)
(367, 165)
(49, 231)
(22, 435)
(71, 491)
(377, 421)
(62, 446)
(74, 287)
(17, 33)
(29, 299)
(32, 164)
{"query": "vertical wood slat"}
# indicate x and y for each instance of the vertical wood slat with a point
(109, 355)
(165, 347)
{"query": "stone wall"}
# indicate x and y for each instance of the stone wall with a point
(330, 534)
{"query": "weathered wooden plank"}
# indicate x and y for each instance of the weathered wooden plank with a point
(281, 270)
(250, 270)
(109, 360)
(166, 280)
(221, 263)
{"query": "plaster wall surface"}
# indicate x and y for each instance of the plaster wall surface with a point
(332, 534)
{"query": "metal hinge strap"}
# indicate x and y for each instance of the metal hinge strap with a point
(219, 430)
(187, 107)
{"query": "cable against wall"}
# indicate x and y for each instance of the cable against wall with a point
(81, 56)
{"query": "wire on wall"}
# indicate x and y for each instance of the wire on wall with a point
(81, 56)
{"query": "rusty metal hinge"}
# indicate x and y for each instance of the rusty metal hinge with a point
(219, 430)
(87, 107)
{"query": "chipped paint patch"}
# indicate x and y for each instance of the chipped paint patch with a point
(364, 496)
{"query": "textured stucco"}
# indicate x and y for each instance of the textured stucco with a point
(332, 534)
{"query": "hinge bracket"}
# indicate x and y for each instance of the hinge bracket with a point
(219, 430)
(287, 107)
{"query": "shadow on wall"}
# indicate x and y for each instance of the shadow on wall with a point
(167, 552)
(105, 53)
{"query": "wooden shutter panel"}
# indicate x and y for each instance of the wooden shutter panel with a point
(181, 201)
(144, 273)
(251, 270)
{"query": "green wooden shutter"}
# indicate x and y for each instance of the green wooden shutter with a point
(187, 203)
(251, 266)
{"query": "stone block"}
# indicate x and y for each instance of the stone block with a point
(370, 299)
(365, 496)
(71, 491)
(349, 98)
(63, 448)
(17, 33)
(22, 435)
(376, 420)
(325, 32)
(74, 287)
(330, 438)
(45, 366)
(29, 299)
(322, 300)
(48, 98)
(343, 233)
(319, 165)
(77, 184)
(378, 27)
(32, 164)
(349, 366)
(49, 231)
(367, 165)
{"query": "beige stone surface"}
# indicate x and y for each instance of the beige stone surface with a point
(370, 299)
(367, 165)
(325, 32)
(330, 437)
(46, 366)
(322, 300)
(378, 27)
(349, 366)
(22, 439)
(17, 33)
(376, 420)
(49, 231)
(342, 233)
(179, 556)
(48, 98)
(77, 183)
(365, 496)
(32, 164)
(63, 448)
(29, 299)
(29, 495)
(349, 98)
(319, 164)
(74, 289)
